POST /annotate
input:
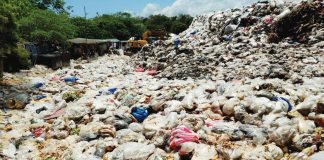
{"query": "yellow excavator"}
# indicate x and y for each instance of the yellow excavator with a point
(148, 37)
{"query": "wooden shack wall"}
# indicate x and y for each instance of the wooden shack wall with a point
(1, 68)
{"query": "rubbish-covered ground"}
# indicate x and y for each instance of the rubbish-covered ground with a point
(220, 99)
(238, 43)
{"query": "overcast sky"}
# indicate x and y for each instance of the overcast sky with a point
(149, 7)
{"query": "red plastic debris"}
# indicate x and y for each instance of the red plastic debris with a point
(37, 132)
(180, 135)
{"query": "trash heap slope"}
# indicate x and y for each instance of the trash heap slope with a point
(267, 40)
(248, 99)
(101, 110)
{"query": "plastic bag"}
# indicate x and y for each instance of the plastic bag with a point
(71, 79)
(152, 72)
(140, 114)
(37, 82)
(131, 151)
(180, 135)
(139, 69)
(283, 104)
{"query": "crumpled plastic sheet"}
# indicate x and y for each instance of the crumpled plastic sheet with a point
(180, 135)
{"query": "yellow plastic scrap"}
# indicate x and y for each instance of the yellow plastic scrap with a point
(295, 114)
(310, 150)
(40, 101)
(286, 156)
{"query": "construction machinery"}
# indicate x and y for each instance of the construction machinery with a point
(135, 44)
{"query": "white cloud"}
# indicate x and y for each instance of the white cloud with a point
(150, 9)
(195, 7)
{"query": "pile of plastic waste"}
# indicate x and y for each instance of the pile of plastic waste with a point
(116, 109)
(269, 39)
(111, 111)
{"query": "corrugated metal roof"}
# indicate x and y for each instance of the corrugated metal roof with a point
(88, 41)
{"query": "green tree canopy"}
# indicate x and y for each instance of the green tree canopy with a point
(88, 29)
(177, 27)
(45, 26)
(8, 32)
(9, 39)
(158, 22)
(55, 5)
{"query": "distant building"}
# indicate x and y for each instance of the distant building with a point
(91, 47)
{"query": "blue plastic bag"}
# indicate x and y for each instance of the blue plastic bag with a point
(227, 38)
(39, 97)
(112, 90)
(38, 85)
(140, 113)
(284, 99)
(71, 79)
(109, 91)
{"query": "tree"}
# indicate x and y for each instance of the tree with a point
(178, 27)
(9, 36)
(55, 5)
(88, 29)
(19, 8)
(158, 22)
(22, 8)
(45, 26)
(120, 25)
(185, 18)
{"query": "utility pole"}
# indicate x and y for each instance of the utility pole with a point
(85, 17)
(85, 12)
(85, 49)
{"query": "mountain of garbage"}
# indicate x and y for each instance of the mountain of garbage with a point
(267, 39)
(244, 84)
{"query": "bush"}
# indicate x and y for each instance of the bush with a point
(23, 57)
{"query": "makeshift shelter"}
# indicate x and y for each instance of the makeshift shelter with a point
(88, 47)
(114, 43)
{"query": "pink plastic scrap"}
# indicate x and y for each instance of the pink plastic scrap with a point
(55, 78)
(139, 69)
(55, 114)
(180, 135)
(152, 72)
(212, 123)
(267, 20)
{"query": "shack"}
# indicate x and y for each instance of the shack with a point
(47, 54)
(123, 44)
(82, 47)
(114, 43)
(1, 67)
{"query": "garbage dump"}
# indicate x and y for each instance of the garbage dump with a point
(224, 92)
(267, 40)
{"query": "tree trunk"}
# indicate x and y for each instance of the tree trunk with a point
(1, 68)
